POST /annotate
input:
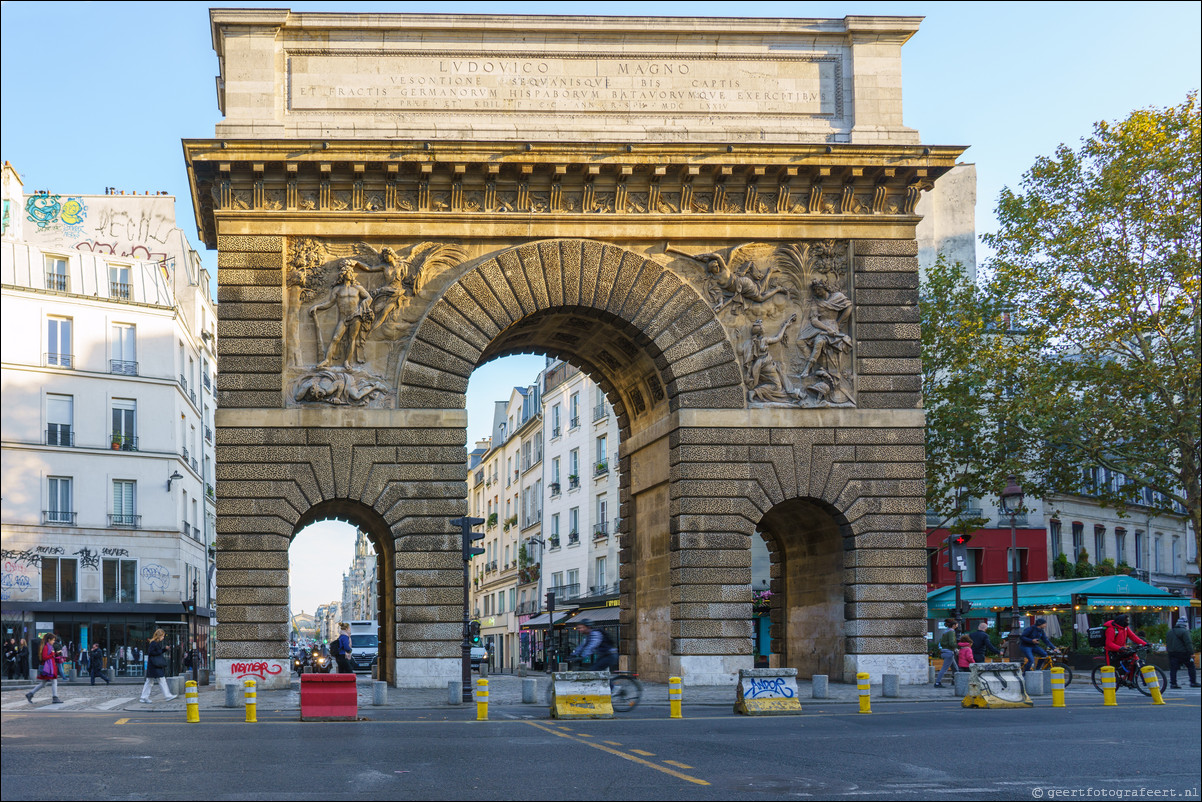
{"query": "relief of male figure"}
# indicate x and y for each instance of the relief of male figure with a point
(355, 316)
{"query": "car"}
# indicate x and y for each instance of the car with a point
(479, 655)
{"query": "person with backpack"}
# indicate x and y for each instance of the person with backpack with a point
(948, 645)
(1029, 641)
(1118, 632)
(595, 643)
(340, 649)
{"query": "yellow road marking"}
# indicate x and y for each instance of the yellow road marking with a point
(612, 743)
(121, 721)
(584, 735)
(677, 765)
(631, 758)
(641, 752)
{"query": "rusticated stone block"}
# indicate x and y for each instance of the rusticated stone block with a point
(685, 436)
(877, 298)
(250, 650)
(252, 632)
(686, 456)
(253, 524)
(256, 578)
(447, 631)
(235, 276)
(899, 349)
(248, 381)
(900, 592)
(249, 328)
(733, 541)
(252, 311)
(890, 400)
(890, 366)
(710, 594)
(897, 610)
(252, 364)
(233, 294)
(424, 437)
(258, 243)
(418, 398)
(886, 281)
(711, 558)
(711, 576)
(739, 612)
(900, 264)
(250, 346)
(252, 614)
(246, 436)
(885, 247)
(887, 645)
(891, 558)
(273, 260)
(890, 470)
(703, 646)
(889, 384)
(430, 596)
(250, 595)
(881, 437)
(890, 453)
(431, 614)
(888, 331)
(417, 375)
(254, 542)
(887, 314)
(427, 648)
(702, 628)
(265, 561)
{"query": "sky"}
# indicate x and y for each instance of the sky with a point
(94, 95)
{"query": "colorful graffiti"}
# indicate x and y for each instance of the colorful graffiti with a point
(45, 210)
(73, 212)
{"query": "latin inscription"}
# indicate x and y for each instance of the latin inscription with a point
(793, 86)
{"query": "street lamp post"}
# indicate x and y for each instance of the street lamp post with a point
(1012, 504)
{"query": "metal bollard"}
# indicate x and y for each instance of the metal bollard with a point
(820, 686)
(674, 697)
(231, 695)
(889, 685)
(481, 700)
(454, 692)
(379, 693)
(252, 705)
(1153, 683)
(191, 702)
(1057, 687)
(529, 690)
(865, 688)
(1108, 687)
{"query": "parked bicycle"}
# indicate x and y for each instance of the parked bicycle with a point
(1049, 661)
(1129, 672)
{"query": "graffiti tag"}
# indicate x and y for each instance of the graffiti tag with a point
(259, 668)
(156, 576)
(760, 688)
(43, 209)
(107, 552)
(13, 559)
(50, 550)
(88, 558)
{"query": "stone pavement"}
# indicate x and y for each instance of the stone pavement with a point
(505, 690)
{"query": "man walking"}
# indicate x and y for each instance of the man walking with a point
(1180, 647)
(947, 649)
(981, 644)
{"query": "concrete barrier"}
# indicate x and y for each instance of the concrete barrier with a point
(1033, 682)
(767, 692)
(960, 682)
(231, 695)
(996, 685)
(820, 686)
(329, 697)
(581, 694)
(529, 690)
(890, 686)
(454, 692)
(379, 692)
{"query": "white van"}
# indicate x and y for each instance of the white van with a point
(365, 645)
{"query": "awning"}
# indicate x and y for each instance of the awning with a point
(1098, 592)
(540, 621)
(601, 615)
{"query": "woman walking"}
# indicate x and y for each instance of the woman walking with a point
(49, 671)
(156, 663)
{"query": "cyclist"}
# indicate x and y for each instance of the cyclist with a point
(1118, 632)
(595, 642)
(1030, 640)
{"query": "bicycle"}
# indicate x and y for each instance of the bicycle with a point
(1129, 673)
(1046, 663)
(625, 691)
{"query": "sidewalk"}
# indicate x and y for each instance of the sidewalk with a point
(505, 690)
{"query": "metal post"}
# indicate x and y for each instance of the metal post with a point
(193, 640)
(1015, 653)
(465, 672)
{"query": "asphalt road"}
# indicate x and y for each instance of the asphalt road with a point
(921, 750)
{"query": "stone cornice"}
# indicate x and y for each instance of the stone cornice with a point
(599, 181)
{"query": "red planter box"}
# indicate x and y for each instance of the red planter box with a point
(329, 697)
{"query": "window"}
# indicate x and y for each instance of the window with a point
(574, 578)
(513, 597)
(574, 523)
(1156, 543)
(125, 503)
(969, 574)
(1054, 532)
(574, 410)
(59, 501)
(124, 435)
(555, 421)
(599, 574)
(1016, 562)
(574, 467)
(602, 456)
(1078, 539)
(120, 579)
(501, 602)
(555, 475)
(59, 579)
(602, 518)
(58, 342)
(125, 356)
(1175, 556)
(119, 282)
(555, 529)
(56, 274)
(1120, 545)
(1139, 549)
(60, 420)
(557, 579)
(1099, 544)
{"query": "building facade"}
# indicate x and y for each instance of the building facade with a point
(108, 379)
(360, 601)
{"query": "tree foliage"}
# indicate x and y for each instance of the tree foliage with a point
(1097, 253)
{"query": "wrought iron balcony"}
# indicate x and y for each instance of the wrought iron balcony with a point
(124, 521)
(600, 531)
(564, 592)
(123, 367)
(185, 453)
(574, 422)
(573, 537)
(208, 434)
(123, 442)
(56, 360)
(573, 482)
(60, 435)
(555, 488)
(62, 517)
(601, 468)
(554, 432)
(599, 412)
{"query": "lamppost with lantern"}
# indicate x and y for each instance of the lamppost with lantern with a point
(1012, 505)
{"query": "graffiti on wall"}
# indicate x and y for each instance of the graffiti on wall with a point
(20, 574)
(156, 576)
(108, 227)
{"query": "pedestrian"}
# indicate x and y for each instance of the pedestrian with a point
(1180, 647)
(340, 649)
(23, 659)
(981, 643)
(964, 653)
(10, 657)
(96, 664)
(156, 665)
(49, 670)
(947, 649)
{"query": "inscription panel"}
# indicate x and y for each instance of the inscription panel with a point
(797, 86)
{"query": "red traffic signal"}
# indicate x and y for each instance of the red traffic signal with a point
(958, 540)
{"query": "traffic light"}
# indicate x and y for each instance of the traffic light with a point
(473, 630)
(189, 606)
(465, 525)
(550, 602)
(957, 552)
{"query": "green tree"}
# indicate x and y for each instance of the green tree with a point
(1098, 251)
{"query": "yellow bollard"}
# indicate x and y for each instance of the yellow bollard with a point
(862, 682)
(1153, 683)
(1057, 687)
(481, 700)
(1108, 699)
(252, 704)
(674, 697)
(192, 701)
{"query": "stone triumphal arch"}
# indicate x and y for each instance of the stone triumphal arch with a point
(713, 218)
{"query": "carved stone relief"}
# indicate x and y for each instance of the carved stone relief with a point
(349, 312)
(788, 311)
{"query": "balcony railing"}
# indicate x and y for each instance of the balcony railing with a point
(124, 521)
(208, 384)
(599, 412)
(208, 434)
(123, 442)
(209, 490)
(58, 517)
(118, 289)
(564, 592)
(527, 608)
(573, 482)
(555, 488)
(123, 367)
(195, 467)
(196, 533)
(554, 432)
(601, 531)
(601, 468)
(54, 360)
(1004, 517)
(553, 542)
(59, 435)
(573, 537)
(57, 282)
(185, 454)
(192, 395)
(183, 382)
(574, 422)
